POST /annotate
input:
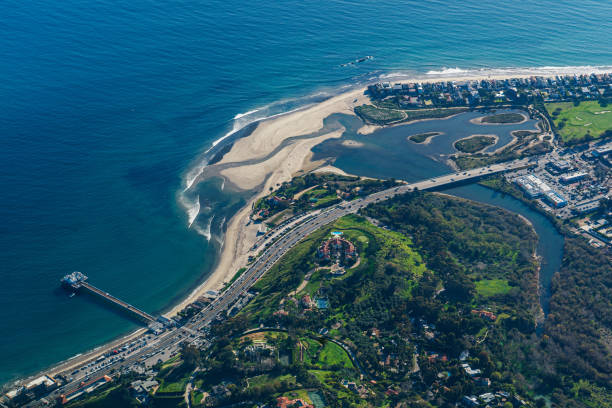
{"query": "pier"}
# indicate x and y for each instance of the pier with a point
(77, 281)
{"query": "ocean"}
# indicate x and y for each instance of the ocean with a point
(107, 110)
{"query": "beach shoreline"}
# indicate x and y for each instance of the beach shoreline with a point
(296, 157)
(240, 234)
(269, 134)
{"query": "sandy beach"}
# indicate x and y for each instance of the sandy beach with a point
(241, 234)
(250, 165)
(271, 170)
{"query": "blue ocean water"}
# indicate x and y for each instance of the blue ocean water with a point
(105, 107)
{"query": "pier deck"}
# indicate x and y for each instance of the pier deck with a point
(143, 315)
(77, 280)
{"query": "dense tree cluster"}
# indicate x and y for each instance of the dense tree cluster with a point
(579, 327)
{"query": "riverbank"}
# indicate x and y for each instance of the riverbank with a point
(259, 162)
(273, 153)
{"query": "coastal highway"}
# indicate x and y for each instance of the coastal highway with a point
(150, 348)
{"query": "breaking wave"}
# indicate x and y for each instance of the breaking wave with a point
(238, 116)
(193, 211)
(447, 71)
(507, 72)
(191, 205)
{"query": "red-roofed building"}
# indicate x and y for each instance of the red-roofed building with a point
(486, 314)
(284, 402)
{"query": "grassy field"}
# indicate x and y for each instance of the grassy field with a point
(311, 350)
(287, 274)
(399, 247)
(473, 144)
(580, 123)
(379, 116)
(333, 354)
(284, 276)
(173, 386)
(197, 397)
(492, 287)
(438, 113)
(173, 377)
(264, 379)
(324, 355)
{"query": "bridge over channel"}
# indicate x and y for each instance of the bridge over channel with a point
(77, 281)
(464, 176)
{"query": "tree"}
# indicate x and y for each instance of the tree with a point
(190, 355)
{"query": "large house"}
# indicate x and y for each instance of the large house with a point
(337, 249)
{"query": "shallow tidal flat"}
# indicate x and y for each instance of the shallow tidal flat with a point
(393, 152)
(388, 152)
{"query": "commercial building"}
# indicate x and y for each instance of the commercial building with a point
(555, 199)
(42, 383)
(603, 150)
(586, 206)
(532, 185)
(574, 177)
(37, 386)
(560, 166)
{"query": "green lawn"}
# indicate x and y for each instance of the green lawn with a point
(175, 386)
(577, 123)
(311, 350)
(384, 116)
(171, 362)
(396, 246)
(321, 375)
(197, 397)
(334, 354)
(314, 283)
(389, 247)
(492, 287)
(261, 380)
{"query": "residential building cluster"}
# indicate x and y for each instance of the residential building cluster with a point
(457, 93)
